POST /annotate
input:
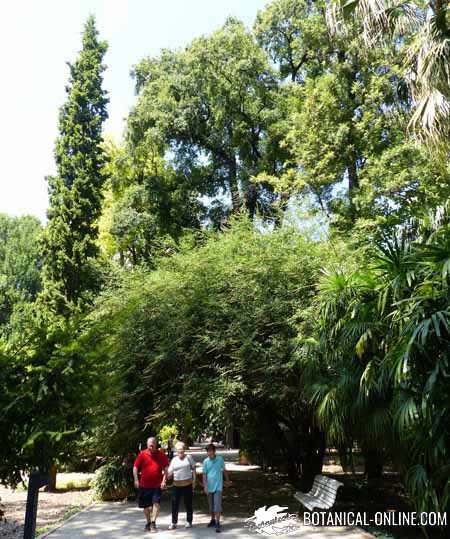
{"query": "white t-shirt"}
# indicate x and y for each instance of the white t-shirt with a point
(182, 468)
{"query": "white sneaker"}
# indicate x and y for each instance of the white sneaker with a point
(172, 526)
(188, 525)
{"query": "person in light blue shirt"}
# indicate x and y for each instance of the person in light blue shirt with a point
(213, 472)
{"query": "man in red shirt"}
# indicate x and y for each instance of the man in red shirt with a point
(152, 464)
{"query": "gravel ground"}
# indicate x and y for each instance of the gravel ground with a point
(11, 530)
(52, 507)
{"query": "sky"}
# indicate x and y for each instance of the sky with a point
(39, 37)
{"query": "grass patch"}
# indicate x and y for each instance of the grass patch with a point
(74, 481)
(72, 511)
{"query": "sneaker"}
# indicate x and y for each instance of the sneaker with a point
(172, 526)
(152, 526)
(212, 523)
(147, 526)
(188, 525)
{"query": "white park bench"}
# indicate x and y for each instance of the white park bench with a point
(322, 495)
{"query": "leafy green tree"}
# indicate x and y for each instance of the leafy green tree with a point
(348, 407)
(294, 35)
(48, 384)
(211, 107)
(206, 339)
(147, 209)
(347, 113)
(380, 374)
(76, 190)
(50, 378)
(425, 26)
(353, 154)
(20, 263)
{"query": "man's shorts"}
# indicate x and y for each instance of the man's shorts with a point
(148, 496)
(215, 501)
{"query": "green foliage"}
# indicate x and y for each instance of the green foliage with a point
(212, 105)
(166, 432)
(147, 208)
(344, 122)
(379, 370)
(76, 191)
(294, 35)
(211, 318)
(425, 30)
(112, 481)
(50, 378)
(207, 338)
(47, 386)
(20, 262)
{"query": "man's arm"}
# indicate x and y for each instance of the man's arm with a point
(226, 475)
(165, 475)
(136, 477)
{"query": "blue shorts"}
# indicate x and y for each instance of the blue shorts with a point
(215, 501)
(148, 496)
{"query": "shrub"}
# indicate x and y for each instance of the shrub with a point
(166, 432)
(112, 481)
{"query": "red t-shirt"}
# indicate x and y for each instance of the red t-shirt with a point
(151, 467)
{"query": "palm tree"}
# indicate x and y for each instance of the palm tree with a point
(418, 360)
(424, 29)
(341, 364)
(379, 368)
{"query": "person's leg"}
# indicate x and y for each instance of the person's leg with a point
(176, 495)
(188, 503)
(156, 506)
(155, 512)
(148, 516)
(217, 508)
(210, 504)
(145, 503)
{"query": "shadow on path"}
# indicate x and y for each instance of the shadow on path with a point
(251, 489)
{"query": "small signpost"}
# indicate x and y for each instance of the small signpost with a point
(35, 482)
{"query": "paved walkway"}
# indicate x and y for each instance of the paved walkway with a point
(125, 521)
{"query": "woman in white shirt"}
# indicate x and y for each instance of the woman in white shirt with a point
(182, 467)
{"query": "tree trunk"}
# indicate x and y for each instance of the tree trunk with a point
(51, 487)
(236, 438)
(250, 200)
(353, 184)
(373, 464)
(313, 460)
(234, 188)
(344, 458)
(229, 435)
(284, 201)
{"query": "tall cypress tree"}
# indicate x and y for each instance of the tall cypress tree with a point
(76, 190)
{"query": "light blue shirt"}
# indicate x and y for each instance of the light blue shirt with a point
(214, 473)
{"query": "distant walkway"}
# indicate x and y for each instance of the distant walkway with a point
(230, 456)
(251, 489)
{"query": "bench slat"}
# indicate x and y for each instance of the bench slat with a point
(327, 491)
(322, 494)
(321, 491)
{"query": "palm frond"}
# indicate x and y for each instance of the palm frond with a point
(427, 58)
